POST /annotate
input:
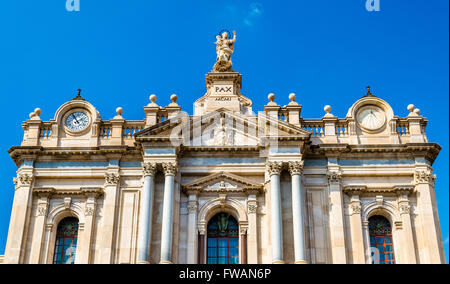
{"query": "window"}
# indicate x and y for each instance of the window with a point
(380, 233)
(66, 241)
(223, 240)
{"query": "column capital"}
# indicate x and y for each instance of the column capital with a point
(295, 167)
(23, 179)
(192, 206)
(252, 206)
(355, 207)
(149, 169)
(112, 179)
(424, 177)
(274, 168)
(170, 168)
(334, 176)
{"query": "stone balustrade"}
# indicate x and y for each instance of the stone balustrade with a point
(327, 129)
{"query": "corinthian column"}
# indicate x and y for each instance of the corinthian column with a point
(296, 169)
(167, 223)
(145, 220)
(274, 170)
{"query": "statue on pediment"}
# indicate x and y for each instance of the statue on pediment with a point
(224, 49)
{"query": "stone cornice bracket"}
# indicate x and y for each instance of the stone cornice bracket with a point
(112, 179)
(424, 177)
(355, 190)
(170, 168)
(274, 168)
(404, 190)
(92, 192)
(334, 176)
(296, 168)
(149, 169)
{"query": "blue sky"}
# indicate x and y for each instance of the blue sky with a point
(119, 52)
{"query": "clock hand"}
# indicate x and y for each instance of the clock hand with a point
(75, 118)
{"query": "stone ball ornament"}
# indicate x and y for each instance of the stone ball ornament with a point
(410, 107)
(119, 111)
(174, 98)
(327, 108)
(292, 97)
(271, 97)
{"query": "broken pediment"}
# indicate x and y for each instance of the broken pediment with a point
(224, 183)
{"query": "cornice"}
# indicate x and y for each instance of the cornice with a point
(17, 152)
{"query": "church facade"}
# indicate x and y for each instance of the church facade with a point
(226, 184)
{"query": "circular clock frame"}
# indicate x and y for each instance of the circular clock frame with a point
(379, 127)
(82, 131)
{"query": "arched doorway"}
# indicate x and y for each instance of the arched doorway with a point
(380, 232)
(222, 240)
(66, 241)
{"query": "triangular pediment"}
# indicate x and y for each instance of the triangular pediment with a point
(223, 182)
(223, 128)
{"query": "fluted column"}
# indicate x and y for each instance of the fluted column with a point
(167, 222)
(274, 170)
(145, 220)
(296, 169)
(404, 208)
(192, 247)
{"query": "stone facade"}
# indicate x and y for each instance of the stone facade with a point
(302, 190)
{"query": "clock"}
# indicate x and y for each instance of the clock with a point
(371, 118)
(76, 121)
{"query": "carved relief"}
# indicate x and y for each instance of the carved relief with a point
(252, 207)
(42, 209)
(90, 209)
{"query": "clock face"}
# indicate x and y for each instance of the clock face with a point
(371, 117)
(77, 121)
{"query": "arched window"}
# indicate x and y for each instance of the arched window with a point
(66, 241)
(380, 232)
(223, 240)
